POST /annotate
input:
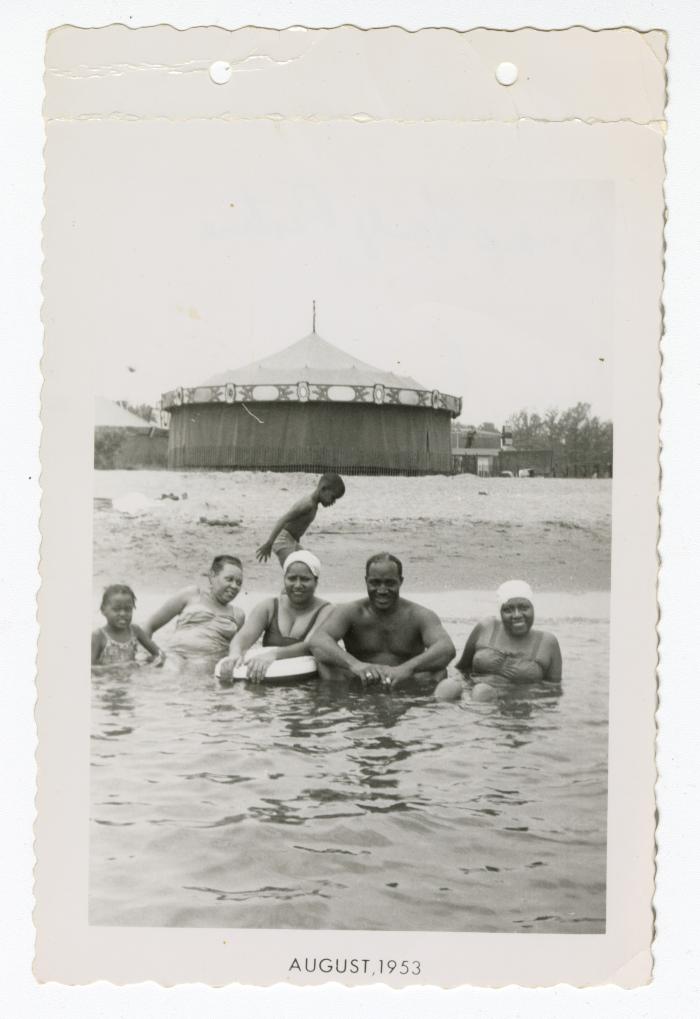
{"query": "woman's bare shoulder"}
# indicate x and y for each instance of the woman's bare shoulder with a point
(547, 639)
(486, 623)
(480, 628)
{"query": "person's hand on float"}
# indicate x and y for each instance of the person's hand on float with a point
(225, 668)
(258, 666)
(264, 552)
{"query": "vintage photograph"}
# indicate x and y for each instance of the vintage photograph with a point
(363, 684)
(353, 448)
(350, 447)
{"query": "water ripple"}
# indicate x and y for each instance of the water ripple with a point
(415, 815)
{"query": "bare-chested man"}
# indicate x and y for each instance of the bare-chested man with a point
(387, 639)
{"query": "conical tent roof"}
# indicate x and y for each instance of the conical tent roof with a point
(111, 415)
(312, 359)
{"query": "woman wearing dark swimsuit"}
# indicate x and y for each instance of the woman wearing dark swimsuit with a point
(284, 623)
(502, 652)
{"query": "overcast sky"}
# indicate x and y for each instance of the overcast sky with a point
(423, 255)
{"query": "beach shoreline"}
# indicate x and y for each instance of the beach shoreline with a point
(452, 533)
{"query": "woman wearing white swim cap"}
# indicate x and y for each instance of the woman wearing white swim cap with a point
(285, 623)
(505, 650)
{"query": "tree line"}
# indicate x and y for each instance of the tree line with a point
(142, 410)
(581, 443)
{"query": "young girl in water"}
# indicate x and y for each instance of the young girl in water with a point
(118, 641)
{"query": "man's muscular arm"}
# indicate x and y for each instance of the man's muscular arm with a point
(323, 645)
(439, 649)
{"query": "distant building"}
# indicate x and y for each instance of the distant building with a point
(536, 462)
(476, 450)
(124, 441)
(487, 452)
(311, 407)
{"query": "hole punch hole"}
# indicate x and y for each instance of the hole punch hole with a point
(506, 73)
(220, 72)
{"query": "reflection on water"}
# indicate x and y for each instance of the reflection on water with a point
(319, 806)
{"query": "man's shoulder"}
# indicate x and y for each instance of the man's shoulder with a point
(354, 608)
(416, 609)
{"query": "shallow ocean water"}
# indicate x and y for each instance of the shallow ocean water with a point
(320, 807)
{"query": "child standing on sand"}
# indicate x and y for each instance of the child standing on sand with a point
(118, 641)
(285, 535)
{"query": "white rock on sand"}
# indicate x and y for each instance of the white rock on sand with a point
(133, 503)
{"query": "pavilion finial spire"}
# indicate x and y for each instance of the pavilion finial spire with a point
(313, 322)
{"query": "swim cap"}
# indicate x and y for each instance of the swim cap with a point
(514, 589)
(307, 558)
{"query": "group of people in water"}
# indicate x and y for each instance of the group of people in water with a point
(380, 639)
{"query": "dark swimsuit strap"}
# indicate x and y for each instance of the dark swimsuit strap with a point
(315, 616)
(275, 622)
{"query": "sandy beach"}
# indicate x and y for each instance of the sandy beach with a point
(452, 533)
